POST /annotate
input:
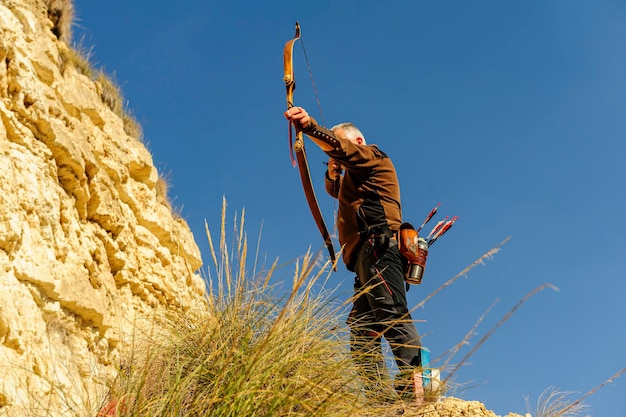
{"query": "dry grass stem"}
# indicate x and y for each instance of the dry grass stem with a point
(479, 261)
(578, 403)
(451, 352)
(493, 329)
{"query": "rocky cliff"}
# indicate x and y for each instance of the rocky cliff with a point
(88, 242)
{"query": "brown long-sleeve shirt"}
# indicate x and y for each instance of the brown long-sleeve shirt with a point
(368, 193)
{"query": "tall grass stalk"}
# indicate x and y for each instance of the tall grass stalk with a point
(494, 328)
(480, 261)
(579, 401)
(455, 349)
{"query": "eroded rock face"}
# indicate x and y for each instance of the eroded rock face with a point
(87, 244)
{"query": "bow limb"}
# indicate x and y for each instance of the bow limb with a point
(305, 176)
(298, 147)
(289, 78)
(290, 84)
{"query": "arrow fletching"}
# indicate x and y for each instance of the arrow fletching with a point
(430, 216)
(443, 230)
(438, 226)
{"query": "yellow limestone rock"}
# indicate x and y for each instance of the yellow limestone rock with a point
(87, 246)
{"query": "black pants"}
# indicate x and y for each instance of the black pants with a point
(380, 310)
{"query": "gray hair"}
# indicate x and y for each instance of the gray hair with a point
(351, 131)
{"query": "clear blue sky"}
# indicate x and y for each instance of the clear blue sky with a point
(511, 113)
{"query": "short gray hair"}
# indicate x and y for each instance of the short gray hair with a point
(350, 130)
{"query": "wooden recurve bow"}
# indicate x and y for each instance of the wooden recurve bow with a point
(298, 147)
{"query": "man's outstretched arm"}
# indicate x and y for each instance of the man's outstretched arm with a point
(322, 137)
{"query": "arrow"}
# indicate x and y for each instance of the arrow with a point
(430, 216)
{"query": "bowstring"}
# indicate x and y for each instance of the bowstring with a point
(319, 106)
(317, 98)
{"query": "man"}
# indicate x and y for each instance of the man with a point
(363, 180)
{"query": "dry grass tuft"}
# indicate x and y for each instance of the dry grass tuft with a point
(250, 353)
(77, 57)
(131, 126)
(554, 403)
(162, 194)
(111, 95)
(61, 13)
